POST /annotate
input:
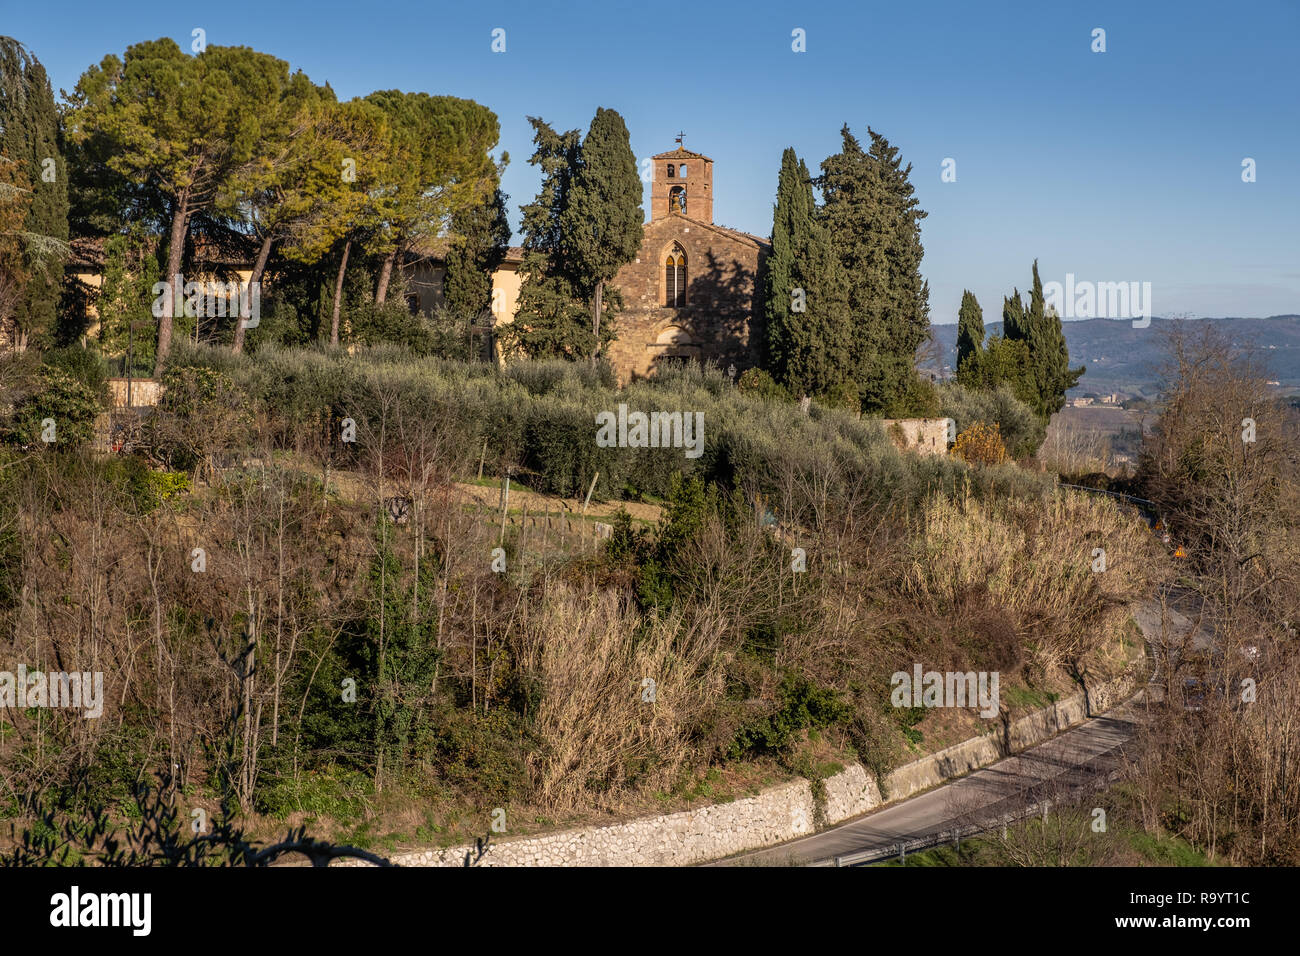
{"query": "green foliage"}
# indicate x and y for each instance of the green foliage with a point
(437, 166)
(555, 316)
(801, 706)
(601, 223)
(76, 827)
(809, 328)
(482, 754)
(970, 336)
(83, 365)
(398, 653)
(126, 295)
(71, 404)
(757, 382)
(176, 127)
(874, 224)
(1044, 374)
(1022, 431)
(919, 399)
(201, 412)
(845, 395)
(29, 136)
(481, 235)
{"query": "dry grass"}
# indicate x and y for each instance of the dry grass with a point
(591, 654)
(1036, 560)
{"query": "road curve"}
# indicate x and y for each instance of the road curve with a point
(1067, 760)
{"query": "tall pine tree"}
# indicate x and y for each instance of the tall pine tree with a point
(29, 136)
(178, 127)
(480, 236)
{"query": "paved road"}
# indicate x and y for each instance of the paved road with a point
(1070, 759)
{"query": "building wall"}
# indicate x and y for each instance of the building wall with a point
(929, 436)
(716, 323)
(95, 278)
(698, 183)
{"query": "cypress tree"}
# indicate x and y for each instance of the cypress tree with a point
(482, 234)
(791, 215)
(553, 317)
(873, 220)
(1049, 354)
(1047, 374)
(29, 135)
(970, 337)
(602, 222)
(907, 308)
(1013, 318)
(809, 333)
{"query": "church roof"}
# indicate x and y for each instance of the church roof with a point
(748, 237)
(682, 152)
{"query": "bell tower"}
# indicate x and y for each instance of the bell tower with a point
(683, 185)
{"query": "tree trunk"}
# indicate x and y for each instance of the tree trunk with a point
(385, 273)
(338, 294)
(175, 251)
(259, 268)
(595, 319)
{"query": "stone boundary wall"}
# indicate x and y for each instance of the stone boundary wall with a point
(928, 436)
(779, 813)
(144, 392)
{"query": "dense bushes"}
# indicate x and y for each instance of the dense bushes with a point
(538, 419)
(59, 412)
(1021, 430)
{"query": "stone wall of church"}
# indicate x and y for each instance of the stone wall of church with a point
(716, 322)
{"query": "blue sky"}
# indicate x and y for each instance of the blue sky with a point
(1115, 166)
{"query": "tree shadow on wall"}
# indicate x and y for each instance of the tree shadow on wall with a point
(723, 314)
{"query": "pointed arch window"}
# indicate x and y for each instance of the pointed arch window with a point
(675, 278)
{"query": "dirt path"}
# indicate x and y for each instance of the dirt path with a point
(538, 503)
(357, 487)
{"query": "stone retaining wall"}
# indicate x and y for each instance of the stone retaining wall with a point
(779, 813)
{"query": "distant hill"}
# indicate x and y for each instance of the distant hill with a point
(1123, 359)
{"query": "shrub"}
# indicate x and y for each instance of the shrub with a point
(201, 412)
(980, 444)
(844, 395)
(68, 402)
(84, 365)
(1022, 431)
(802, 706)
(756, 382)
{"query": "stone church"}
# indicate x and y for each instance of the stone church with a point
(692, 291)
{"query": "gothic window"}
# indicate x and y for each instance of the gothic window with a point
(670, 170)
(675, 278)
(677, 200)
